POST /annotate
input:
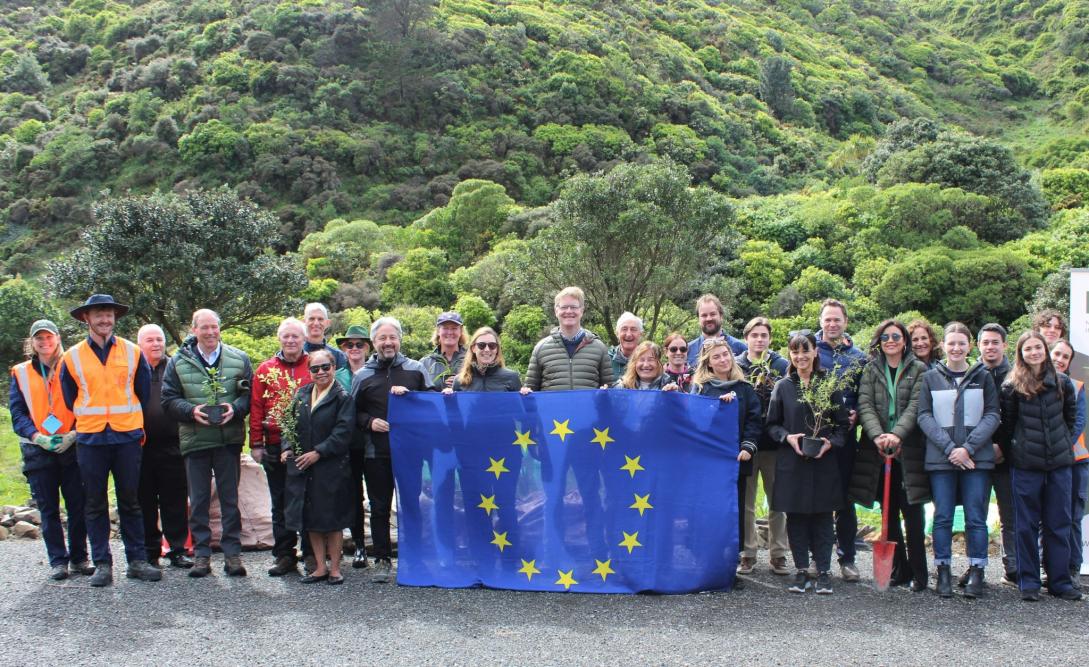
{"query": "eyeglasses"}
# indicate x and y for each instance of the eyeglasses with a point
(675, 349)
(480, 345)
(320, 368)
(568, 307)
(355, 344)
(894, 337)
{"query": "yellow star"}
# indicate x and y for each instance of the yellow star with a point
(602, 437)
(487, 503)
(529, 568)
(642, 503)
(567, 579)
(523, 440)
(498, 468)
(603, 568)
(631, 466)
(561, 430)
(630, 540)
(501, 541)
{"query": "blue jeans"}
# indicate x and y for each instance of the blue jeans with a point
(974, 487)
(96, 463)
(1041, 499)
(56, 475)
(1080, 477)
(846, 518)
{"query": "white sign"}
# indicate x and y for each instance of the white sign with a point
(1085, 544)
(1079, 322)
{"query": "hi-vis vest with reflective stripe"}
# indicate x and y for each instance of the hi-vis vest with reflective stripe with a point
(1081, 453)
(106, 395)
(42, 402)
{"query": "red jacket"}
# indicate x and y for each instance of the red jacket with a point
(264, 431)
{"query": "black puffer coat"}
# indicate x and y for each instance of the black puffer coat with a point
(494, 378)
(1036, 432)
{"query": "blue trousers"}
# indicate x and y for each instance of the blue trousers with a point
(57, 475)
(973, 487)
(96, 464)
(1042, 498)
(1080, 479)
(846, 518)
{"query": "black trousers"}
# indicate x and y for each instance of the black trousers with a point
(913, 558)
(356, 462)
(379, 476)
(283, 540)
(164, 495)
(811, 533)
(742, 484)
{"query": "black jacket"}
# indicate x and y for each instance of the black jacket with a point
(1036, 432)
(763, 377)
(370, 388)
(319, 498)
(998, 374)
(160, 428)
(494, 378)
(750, 418)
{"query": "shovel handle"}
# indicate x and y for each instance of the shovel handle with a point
(885, 502)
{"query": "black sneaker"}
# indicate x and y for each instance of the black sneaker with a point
(142, 570)
(359, 561)
(800, 582)
(59, 572)
(824, 583)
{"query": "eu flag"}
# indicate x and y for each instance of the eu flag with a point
(608, 491)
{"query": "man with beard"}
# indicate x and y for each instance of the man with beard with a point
(710, 312)
(629, 333)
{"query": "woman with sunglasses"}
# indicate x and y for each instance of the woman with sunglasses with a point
(676, 369)
(887, 403)
(644, 370)
(484, 369)
(319, 488)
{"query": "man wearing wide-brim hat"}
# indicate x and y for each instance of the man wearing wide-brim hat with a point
(105, 380)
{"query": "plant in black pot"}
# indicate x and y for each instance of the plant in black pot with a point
(821, 396)
(213, 390)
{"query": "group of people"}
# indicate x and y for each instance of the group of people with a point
(947, 430)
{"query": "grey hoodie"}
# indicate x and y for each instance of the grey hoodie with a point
(958, 415)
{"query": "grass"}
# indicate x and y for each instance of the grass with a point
(13, 486)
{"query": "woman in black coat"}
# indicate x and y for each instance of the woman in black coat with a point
(807, 488)
(319, 489)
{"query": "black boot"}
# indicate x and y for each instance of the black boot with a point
(974, 587)
(945, 581)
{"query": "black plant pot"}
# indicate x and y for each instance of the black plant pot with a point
(214, 413)
(812, 446)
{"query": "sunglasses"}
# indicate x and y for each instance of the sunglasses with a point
(354, 344)
(674, 349)
(487, 346)
(320, 368)
(894, 337)
(800, 332)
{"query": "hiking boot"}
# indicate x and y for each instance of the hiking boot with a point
(824, 583)
(59, 573)
(232, 565)
(1075, 579)
(800, 582)
(974, 587)
(1030, 595)
(945, 581)
(779, 565)
(849, 572)
(283, 565)
(359, 560)
(1070, 595)
(83, 567)
(383, 568)
(202, 567)
(153, 562)
(142, 570)
(103, 575)
(746, 565)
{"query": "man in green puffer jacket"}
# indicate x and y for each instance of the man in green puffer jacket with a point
(570, 357)
(210, 445)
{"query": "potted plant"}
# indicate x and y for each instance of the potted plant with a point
(213, 390)
(282, 406)
(819, 395)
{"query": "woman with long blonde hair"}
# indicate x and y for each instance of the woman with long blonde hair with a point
(484, 368)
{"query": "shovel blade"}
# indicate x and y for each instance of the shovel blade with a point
(883, 556)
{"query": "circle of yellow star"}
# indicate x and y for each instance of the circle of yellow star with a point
(567, 579)
(487, 503)
(631, 466)
(522, 440)
(630, 540)
(497, 467)
(561, 429)
(500, 540)
(602, 437)
(642, 503)
(603, 568)
(529, 568)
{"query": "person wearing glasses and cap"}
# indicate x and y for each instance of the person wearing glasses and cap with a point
(44, 425)
(105, 381)
(356, 345)
(449, 340)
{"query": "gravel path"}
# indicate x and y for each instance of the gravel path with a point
(261, 620)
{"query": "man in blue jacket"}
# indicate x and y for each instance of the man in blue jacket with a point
(710, 312)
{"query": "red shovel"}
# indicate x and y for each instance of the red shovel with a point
(883, 550)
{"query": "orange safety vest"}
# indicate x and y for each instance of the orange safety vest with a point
(1081, 453)
(42, 401)
(106, 391)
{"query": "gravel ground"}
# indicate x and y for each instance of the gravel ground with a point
(261, 620)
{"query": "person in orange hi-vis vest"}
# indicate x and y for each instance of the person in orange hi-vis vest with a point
(1063, 355)
(44, 426)
(105, 379)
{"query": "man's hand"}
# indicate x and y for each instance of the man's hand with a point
(379, 425)
(199, 416)
(257, 454)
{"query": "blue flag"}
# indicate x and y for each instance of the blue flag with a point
(612, 491)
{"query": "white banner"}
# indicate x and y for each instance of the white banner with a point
(1079, 322)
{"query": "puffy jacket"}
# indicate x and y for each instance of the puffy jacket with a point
(873, 413)
(750, 414)
(183, 390)
(1037, 432)
(493, 378)
(370, 391)
(958, 415)
(763, 376)
(844, 358)
(696, 345)
(438, 368)
(551, 369)
(263, 429)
